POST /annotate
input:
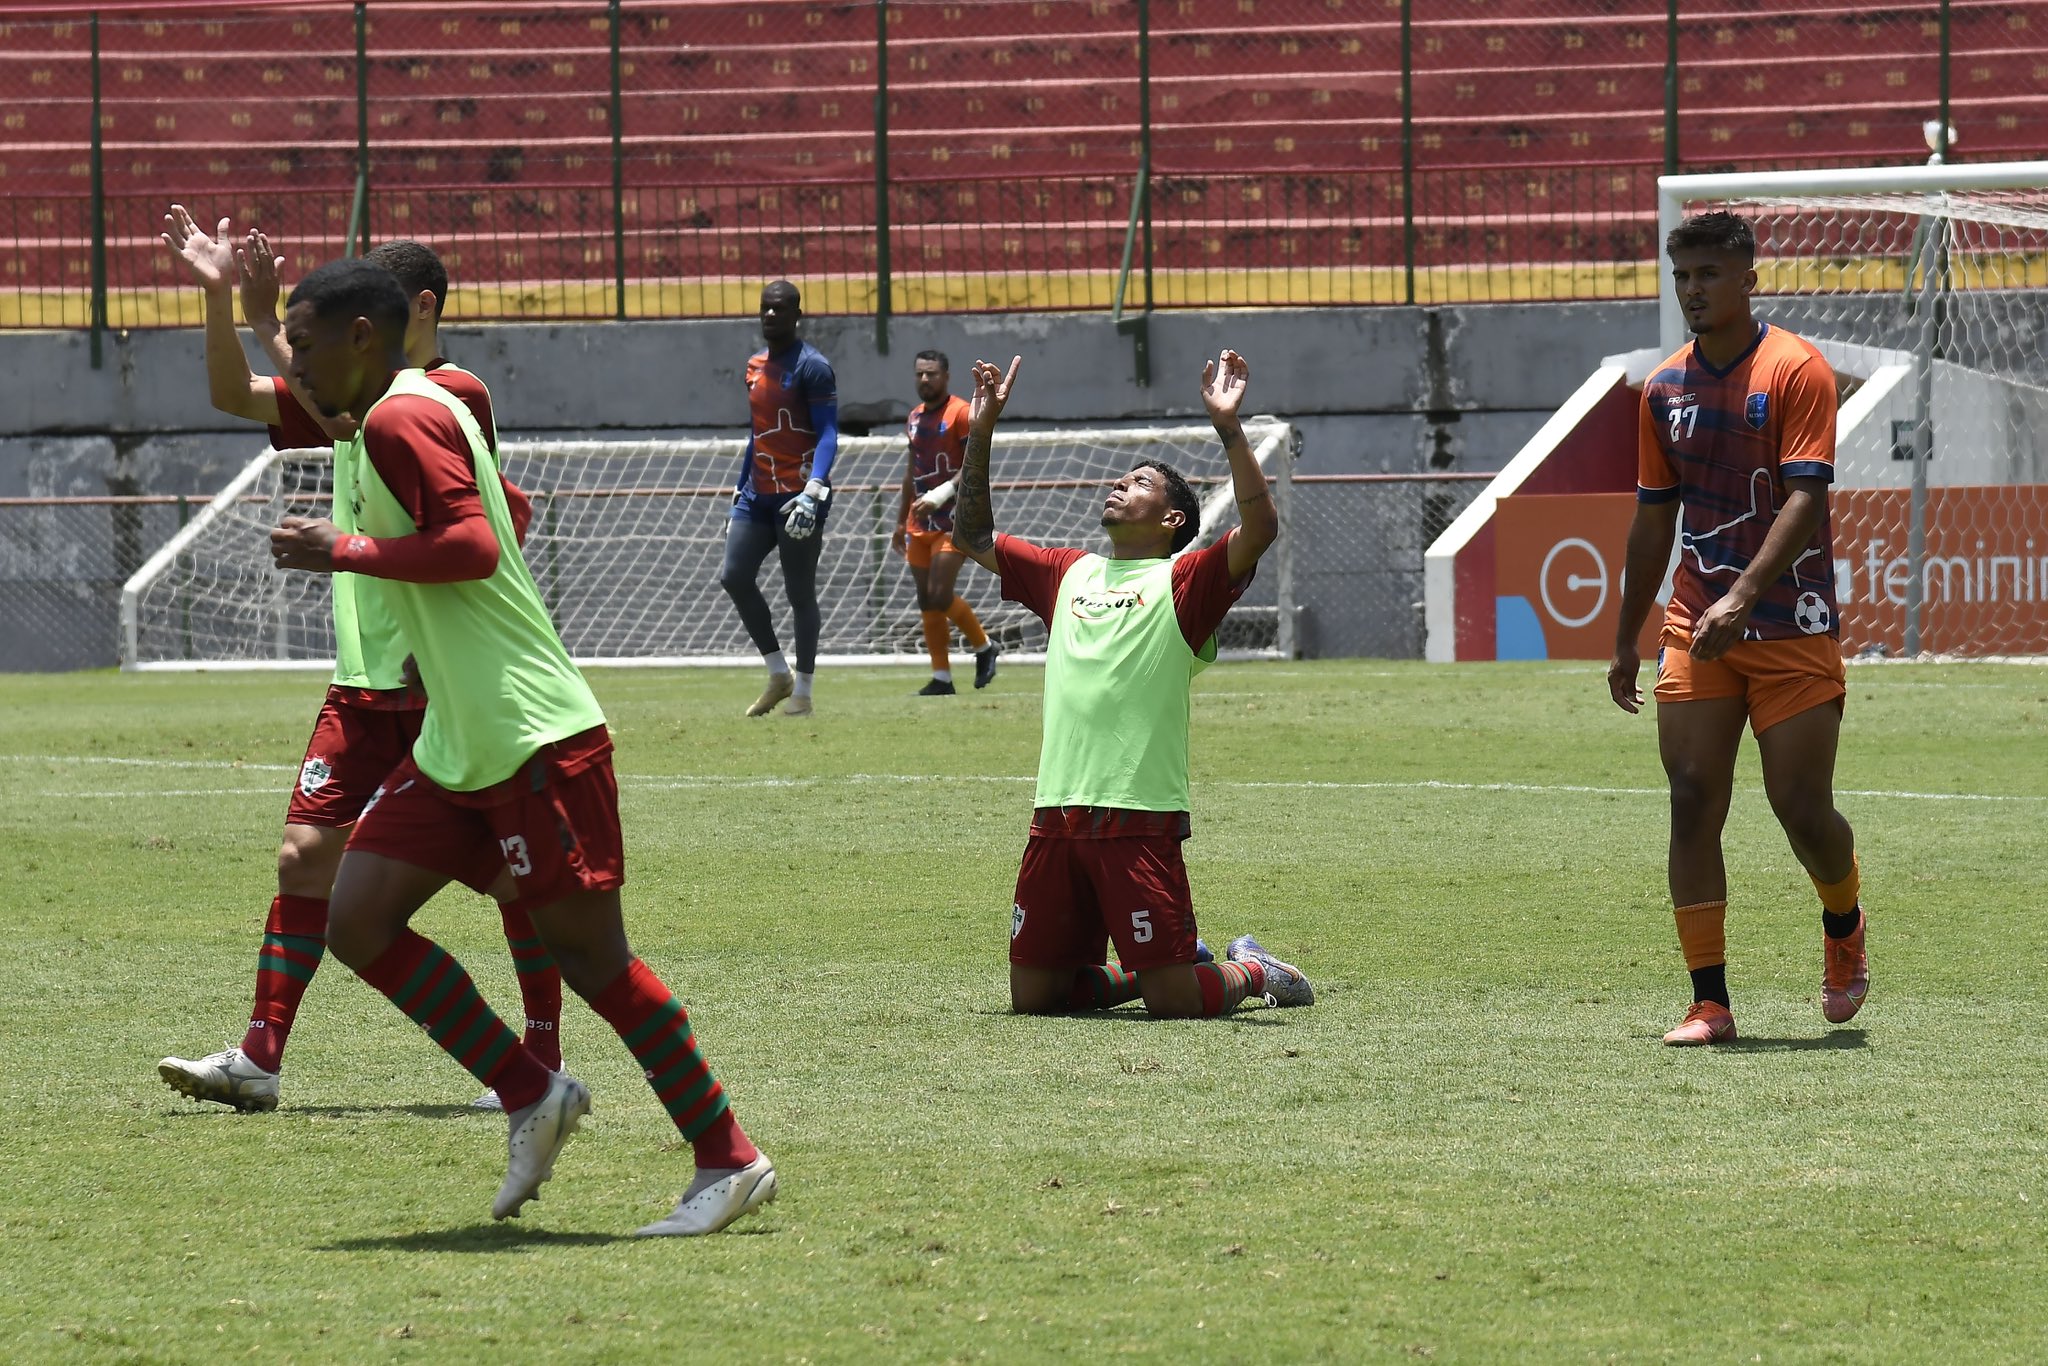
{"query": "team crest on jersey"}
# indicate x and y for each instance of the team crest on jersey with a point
(1758, 410)
(313, 775)
(1101, 606)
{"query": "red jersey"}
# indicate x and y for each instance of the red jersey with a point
(296, 429)
(938, 447)
(1723, 442)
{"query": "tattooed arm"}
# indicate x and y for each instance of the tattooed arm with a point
(974, 521)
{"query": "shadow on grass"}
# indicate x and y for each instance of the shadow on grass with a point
(505, 1237)
(339, 1111)
(1837, 1040)
(1133, 1014)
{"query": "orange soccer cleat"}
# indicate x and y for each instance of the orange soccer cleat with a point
(1845, 974)
(1706, 1022)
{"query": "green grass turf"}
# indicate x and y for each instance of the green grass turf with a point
(1473, 1147)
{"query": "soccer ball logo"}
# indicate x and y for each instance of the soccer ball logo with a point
(1811, 614)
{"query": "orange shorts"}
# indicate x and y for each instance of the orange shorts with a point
(1777, 678)
(922, 545)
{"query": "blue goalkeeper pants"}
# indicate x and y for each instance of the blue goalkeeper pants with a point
(747, 543)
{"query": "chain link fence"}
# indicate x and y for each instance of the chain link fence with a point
(643, 158)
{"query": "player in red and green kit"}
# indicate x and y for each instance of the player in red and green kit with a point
(1127, 634)
(369, 717)
(512, 766)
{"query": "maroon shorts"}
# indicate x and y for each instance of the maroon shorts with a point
(554, 823)
(1073, 895)
(358, 738)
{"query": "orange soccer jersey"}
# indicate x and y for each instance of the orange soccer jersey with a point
(938, 447)
(1724, 442)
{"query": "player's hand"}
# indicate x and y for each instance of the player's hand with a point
(1720, 627)
(410, 672)
(935, 499)
(900, 542)
(304, 543)
(1223, 381)
(991, 391)
(1621, 679)
(211, 259)
(259, 267)
(806, 510)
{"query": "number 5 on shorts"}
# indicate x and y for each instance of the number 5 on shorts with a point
(516, 856)
(1141, 927)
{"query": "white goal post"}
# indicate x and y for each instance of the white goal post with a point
(1924, 288)
(628, 537)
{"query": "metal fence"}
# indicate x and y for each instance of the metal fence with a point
(662, 157)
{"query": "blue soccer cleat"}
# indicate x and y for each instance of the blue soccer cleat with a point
(1203, 953)
(1285, 986)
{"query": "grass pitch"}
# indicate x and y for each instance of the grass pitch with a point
(1472, 1148)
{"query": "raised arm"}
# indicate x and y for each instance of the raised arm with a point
(1258, 521)
(974, 521)
(259, 264)
(231, 386)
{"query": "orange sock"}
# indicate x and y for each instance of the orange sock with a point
(961, 615)
(938, 639)
(1840, 897)
(1702, 933)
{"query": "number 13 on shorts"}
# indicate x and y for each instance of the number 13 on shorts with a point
(517, 856)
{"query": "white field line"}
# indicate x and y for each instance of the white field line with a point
(691, 781)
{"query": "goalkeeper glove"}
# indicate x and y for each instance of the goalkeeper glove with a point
(805, 510)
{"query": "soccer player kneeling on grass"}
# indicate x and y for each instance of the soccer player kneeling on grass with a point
(1738, 430)
(1127, 635)
(512, 766)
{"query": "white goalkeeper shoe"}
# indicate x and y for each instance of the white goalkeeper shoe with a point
(226, 1077)
(716, 1198)
(489, 1100)
(539, 1132)
(779, 687)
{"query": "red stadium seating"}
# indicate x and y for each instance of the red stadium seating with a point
(1276, 124)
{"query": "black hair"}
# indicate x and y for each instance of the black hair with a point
(1181, 497)
(1716, 231)
(357, 288)
(417, 269)
(796, 296)
(938, 356)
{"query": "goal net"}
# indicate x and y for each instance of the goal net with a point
(628, 536)
(1924, 289)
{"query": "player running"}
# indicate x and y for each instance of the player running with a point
(512, 766)
(1127, 635)
(924, 520)
(1738, 433)
(784, 491)
(369, 717)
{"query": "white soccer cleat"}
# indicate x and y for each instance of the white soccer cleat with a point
(1285, 984)
(538, 1133)
(716, 1198)
(226, 1077)
(489, 1100)
(797, 706)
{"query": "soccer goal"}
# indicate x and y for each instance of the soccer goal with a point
(1923, 286)
(628, 536)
